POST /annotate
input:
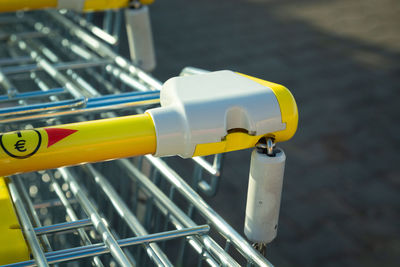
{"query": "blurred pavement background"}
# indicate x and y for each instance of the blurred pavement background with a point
(340, 59)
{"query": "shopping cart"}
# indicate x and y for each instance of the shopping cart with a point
(58, 67)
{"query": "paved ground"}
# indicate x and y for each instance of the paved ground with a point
(341, 201)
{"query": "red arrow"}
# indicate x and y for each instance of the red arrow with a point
(57, 134)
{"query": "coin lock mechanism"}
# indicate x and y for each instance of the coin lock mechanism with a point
(140, 37)
(225, 111)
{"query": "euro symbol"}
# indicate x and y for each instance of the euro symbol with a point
(20, 145)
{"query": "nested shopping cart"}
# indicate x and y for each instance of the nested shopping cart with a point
(67, 97)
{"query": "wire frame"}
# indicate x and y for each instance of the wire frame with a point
(59, 67)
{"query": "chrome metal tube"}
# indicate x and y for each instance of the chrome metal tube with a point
(218, 222)
(87, 89)
(72, 215)
(98, 249)
(32, 211)
(48, 67)
(40, 258)
(97, 31)
(104, 50)
(209, 189)
(58, 66)
(5, 82)
(81, 111)
(62, 227)
(118, 73)
(17, 60)
(124, 211)
(96, 219)
(23, 35)
(164, 201)
(211, 169)
(20, 96)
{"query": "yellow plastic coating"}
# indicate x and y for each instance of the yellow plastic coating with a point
(288, 107)
(13, 247)
(93, 5)
(239, 140)
(232, 142)
(90, 5)
(72, 144)
(14, 5)
(146, 2)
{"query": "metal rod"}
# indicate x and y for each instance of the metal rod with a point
(223, 227)
(80, 81)
(127, 79)
(58, 66)
(48, 67)
(107, 19)
(32, 210)
(23, 35)
(96, 219)
(19, 96)
(137, 104)
(85, 85)
(86, 89)
(74, 103)
(17, 60)
(117, 26)
(105, 51)
(97, 31)
(117, 72)
(124, 211)
(207, 166)
(72, 215)
(5, 82)
(62, 227)
(110, 88)
(43, 86)
(87, 55)
(164, 201)
(27, 227)
(117, 105)
(99, 249)
(143, 77)
(102, 101)
(210, 189)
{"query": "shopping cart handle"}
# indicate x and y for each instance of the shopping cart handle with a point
(77, 5)
(199, 115)
(219, 112)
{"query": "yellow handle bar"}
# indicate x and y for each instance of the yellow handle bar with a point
(71, 144)
(89, 5)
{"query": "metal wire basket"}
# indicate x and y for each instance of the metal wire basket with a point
(58, 67)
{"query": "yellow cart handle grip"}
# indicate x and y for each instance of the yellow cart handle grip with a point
(79, 5)
(199, 115)
(71, 144)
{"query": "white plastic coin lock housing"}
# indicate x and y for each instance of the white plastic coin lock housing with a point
(219, 112)
(140, 37)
